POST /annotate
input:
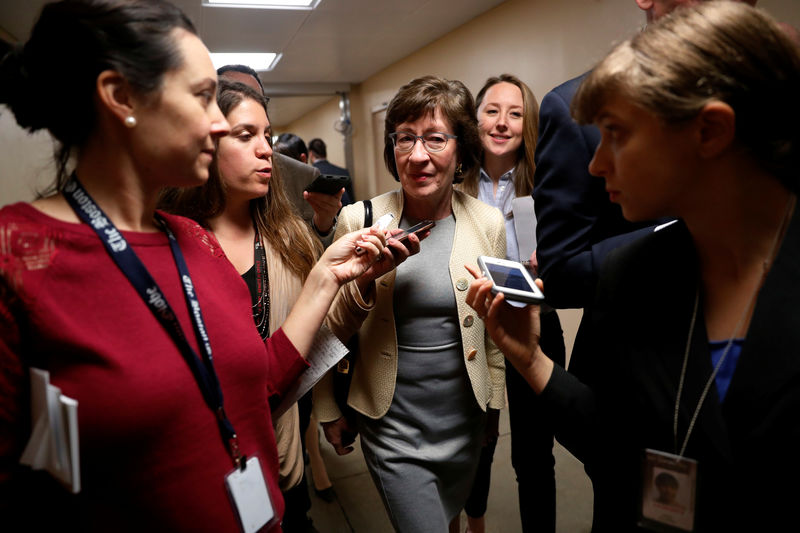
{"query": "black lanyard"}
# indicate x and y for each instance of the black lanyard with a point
(133, 268)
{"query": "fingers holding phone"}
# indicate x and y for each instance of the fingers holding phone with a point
(514, 330)
(400, 245)
(405, 243)
(325, 207)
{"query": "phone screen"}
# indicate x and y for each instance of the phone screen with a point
(509, 277)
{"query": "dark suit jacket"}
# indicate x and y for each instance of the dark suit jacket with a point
(630, 363)
(326, 167)
(296, 176)
(577, 225)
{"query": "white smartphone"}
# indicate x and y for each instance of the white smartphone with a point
(511, 278)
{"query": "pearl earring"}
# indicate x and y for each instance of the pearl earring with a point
(130, 121)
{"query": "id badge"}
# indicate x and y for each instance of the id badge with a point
(250, 497)
(669, 492)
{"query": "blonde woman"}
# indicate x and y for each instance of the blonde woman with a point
(508, 118)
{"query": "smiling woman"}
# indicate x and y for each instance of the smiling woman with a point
(508, 118)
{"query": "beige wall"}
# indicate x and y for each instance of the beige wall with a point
(319, 123)
(544, 42)
(26, 161)
(541, 41)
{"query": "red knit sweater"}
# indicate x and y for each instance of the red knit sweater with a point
(151, 454)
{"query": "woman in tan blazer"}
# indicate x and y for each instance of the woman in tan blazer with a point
(426, 371)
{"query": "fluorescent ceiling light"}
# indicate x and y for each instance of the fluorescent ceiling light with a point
(264, 4)
(256, 61)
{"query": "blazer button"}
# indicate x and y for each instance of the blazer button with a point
(462, 284)
(468, 320)
(471, 354)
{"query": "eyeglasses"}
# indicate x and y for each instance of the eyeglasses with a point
(434, 141)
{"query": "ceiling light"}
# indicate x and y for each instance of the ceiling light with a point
(264, 4)
(256, 61)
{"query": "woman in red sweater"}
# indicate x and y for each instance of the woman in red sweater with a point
(124, 305)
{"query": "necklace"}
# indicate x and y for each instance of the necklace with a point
(261, 306)
(765, 268)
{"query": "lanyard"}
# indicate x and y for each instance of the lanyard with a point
(765, 269)
(129, 263)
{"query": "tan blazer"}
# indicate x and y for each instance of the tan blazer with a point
(479, 231)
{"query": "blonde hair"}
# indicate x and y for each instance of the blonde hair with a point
(525, 166)
(717, 51)
(277, 222)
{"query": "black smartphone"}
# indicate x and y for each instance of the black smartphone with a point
(416, 228)
(511, 278)
(328, 184)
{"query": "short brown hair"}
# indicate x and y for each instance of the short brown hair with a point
(717, 51)
(422, 97)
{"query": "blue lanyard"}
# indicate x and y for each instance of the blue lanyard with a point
(129, 263)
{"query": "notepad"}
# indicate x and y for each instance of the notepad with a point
(53, 445)
(326, 351)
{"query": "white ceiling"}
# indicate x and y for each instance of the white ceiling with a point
(341, 42)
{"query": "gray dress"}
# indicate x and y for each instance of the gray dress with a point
(423, 453)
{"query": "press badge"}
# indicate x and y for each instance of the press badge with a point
(669, 492)
(250, 497)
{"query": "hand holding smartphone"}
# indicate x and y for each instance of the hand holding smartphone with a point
(511, 278)
(382, 224)
(328, 184)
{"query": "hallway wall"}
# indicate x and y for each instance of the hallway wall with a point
(543, 42)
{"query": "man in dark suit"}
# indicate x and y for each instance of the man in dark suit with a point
(318, 153)
(577, 225)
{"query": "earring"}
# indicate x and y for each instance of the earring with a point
(130, 121)
(459, 171)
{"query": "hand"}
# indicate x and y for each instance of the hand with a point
(534, 263)
(395, 253)
(342, 260)
(340, 434)
(325, 207)
(516, 331)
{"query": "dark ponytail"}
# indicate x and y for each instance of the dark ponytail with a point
(49, 83)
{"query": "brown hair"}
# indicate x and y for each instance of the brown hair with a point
(273, 214)
(525, 167)
(717, 51)
(423, 96)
